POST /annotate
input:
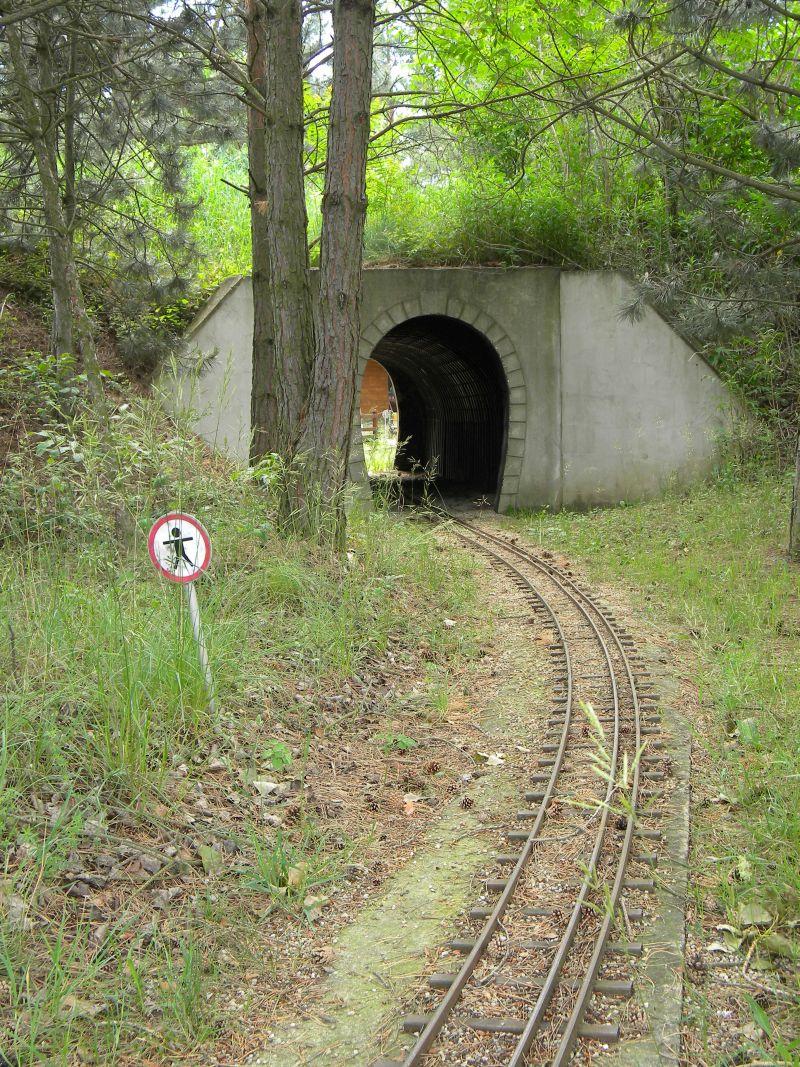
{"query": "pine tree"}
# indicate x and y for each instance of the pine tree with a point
(329, 416)
(731, 61)
(96, 109)
(304, 357)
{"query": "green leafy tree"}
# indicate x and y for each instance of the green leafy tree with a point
(675, 133)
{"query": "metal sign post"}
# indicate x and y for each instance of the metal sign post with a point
(180, 549)
(197, 629)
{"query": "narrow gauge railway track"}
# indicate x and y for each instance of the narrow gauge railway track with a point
(555, 980)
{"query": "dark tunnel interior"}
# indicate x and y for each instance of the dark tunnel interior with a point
(452, 401)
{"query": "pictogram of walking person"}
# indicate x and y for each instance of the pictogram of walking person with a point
(176, 543)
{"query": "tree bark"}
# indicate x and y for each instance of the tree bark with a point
(61, 330)
(72, 330)
(263, 399)
(287, 224)
(328, 424)
(794, 521)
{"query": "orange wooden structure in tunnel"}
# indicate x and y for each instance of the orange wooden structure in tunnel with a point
(374, 389)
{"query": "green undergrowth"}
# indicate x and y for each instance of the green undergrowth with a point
(103, 709)
(710, 564)
(99, 652)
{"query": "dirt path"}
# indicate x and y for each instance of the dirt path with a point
(381, 961)
(351, 1015)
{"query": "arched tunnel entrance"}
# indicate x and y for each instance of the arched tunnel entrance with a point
(452, 400)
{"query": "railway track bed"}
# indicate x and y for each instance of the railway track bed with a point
(555, 962)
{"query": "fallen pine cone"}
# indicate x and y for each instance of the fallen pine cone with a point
(467, 802)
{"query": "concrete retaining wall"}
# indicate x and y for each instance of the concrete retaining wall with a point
(599, 409)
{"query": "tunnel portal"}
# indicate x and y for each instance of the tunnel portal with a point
(452, 400)
(527, 376)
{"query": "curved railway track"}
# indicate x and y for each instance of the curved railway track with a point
(582, 821)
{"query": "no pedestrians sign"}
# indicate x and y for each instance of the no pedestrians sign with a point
(179, 547)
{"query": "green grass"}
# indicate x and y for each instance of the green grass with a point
(711, 565)
(102, 701)
(380, 450)
(296, 875)
(103, 686)
(221, 224)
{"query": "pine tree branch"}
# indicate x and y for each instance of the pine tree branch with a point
(781, 10)
(776, 189)
(778, 248)
(29, 12)
(238, 188)
(779, 88)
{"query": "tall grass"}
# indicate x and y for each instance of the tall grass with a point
(104, 669)
(380, 451)
(221, 224)
(467, 212)
(103, 678)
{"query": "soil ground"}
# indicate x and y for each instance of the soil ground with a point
(720, 986)
(351, 1014)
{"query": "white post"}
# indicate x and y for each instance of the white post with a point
(194, 615)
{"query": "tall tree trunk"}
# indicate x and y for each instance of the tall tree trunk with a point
(62, 307)
(72, 328)
(287, 224)
(328, 425)
(794, 521)
(263, 399)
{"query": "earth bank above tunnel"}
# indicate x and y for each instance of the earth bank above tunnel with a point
(526, 385)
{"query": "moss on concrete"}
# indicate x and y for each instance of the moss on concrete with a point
(380, 956)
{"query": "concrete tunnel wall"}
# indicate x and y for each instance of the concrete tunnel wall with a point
(595, 409)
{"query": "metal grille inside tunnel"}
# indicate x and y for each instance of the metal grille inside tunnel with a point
(452, 402)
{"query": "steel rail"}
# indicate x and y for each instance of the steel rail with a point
(537, 1015)
(434, 1025)
(570, 1035)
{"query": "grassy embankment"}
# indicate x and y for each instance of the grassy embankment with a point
(140, 859)
(709, 568)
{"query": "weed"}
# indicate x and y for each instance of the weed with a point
(438, 688)
(787, 1051)
(293, 875)
(49, 995)
(380, 450)
(277, 754)
(397, 743)
(102, 703)
(186, 1018)
(602, 760)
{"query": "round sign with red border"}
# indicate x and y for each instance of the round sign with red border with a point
(179, 547)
